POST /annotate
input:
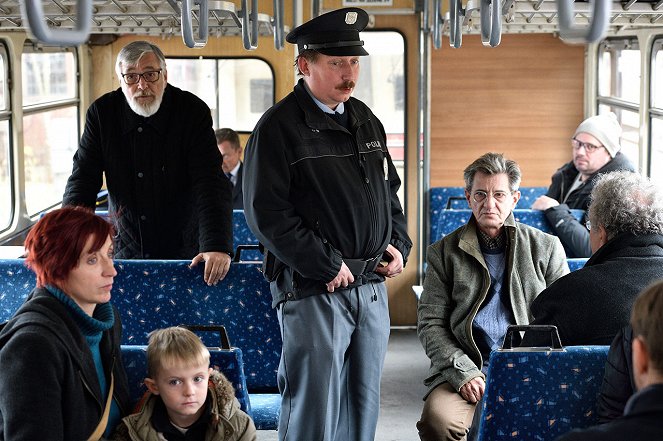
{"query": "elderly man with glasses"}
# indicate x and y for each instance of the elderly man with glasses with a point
(596, 150)
(480, 279)
(156, 147)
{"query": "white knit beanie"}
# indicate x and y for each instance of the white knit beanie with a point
(605, 128)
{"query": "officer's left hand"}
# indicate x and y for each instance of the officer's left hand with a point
(216, 266)
(395, 265)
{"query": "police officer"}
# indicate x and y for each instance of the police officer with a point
(320, 195)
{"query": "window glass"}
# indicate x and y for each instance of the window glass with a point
(238, 91)
(48, 77)
(5, 177)
(657, 75)
(50, 140)
(381, 87)
(619, 70)
(630, 122)
(656, 158)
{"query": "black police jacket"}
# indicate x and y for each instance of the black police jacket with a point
(316, 193)
(167, 194)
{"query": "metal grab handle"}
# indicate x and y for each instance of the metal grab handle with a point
(438, 21)
(455, 23)
(491, 22)
(224, 340)
(187, 26)
(598, 22)
(33, 12)
(279, 26)
(250, 25)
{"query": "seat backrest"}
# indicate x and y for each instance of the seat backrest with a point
(16, 282)
(227, 361)
(242, 235)
(154, 294)
(541, 394)
(576, 263)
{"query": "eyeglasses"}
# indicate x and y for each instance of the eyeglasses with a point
(589, 148)
(150, 76)
(588, 224)
(500, 196)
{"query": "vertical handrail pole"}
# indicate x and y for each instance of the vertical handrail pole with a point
(279, 40)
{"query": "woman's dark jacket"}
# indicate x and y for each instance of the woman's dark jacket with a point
(320, 193)
(573, 234)
(163, 173)
(589, 306)
(49, 389)
(618, 384)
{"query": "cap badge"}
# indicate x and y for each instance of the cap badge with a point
(350, 18)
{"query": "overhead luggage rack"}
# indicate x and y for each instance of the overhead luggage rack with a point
(70, 22)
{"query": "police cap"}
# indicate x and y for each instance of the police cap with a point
(335, 33)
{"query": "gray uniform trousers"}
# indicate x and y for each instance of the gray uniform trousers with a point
(334, 346)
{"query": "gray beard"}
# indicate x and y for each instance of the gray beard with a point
(148, 109)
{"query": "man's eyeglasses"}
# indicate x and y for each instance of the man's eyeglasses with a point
(133, 78)
(589, 148)
(500, 196)
(588, 224)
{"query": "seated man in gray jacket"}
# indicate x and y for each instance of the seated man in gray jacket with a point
(596, 150)
(480, 279)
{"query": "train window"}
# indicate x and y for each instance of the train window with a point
(656, 113)
(50, 123)
(244, 87)
(619, 89)
(381, 86)
(6, 204)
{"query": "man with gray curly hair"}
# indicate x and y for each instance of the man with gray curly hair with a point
(591, 305)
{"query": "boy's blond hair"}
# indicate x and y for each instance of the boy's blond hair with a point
(174, 346)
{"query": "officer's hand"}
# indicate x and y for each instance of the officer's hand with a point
(472, 391)
(342, 279)
(395, 265)
(216, 266)
(543, 203)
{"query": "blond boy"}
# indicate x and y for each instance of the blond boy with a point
(187, 399)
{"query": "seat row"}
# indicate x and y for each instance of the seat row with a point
(151, 294)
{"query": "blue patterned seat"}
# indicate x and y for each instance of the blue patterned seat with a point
(450, 220)
(16, 282)
(539, 395)
(576, 263)
(242, 235)
(228, 361)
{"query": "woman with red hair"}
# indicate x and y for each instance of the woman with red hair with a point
(61, 375)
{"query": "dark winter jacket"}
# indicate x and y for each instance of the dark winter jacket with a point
(618, 384)
(319, 194)
(572, 233)
(589, 306)
(49, 389)
(166, 190)
(642, 421)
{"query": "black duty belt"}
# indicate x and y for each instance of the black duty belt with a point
(362, 266)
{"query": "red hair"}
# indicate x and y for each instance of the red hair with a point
(55, 243)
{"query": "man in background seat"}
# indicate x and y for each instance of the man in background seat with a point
(227, 140)
(596, 150)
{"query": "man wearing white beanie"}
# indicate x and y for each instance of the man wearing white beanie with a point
(596, 150)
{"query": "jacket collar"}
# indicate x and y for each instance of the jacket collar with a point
(628, 244)
(469, 241)
(648, 400)
(314, 116)
(130, 120)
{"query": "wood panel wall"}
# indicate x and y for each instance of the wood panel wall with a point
(523, 98)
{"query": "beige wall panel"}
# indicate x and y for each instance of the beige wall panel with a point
(523, 98)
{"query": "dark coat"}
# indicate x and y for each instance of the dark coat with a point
(618, 383)
(49, 389)
(642, 421)
(166, 190)
(572, 233)
(589, 306)
(238, 195)
(319, 193)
